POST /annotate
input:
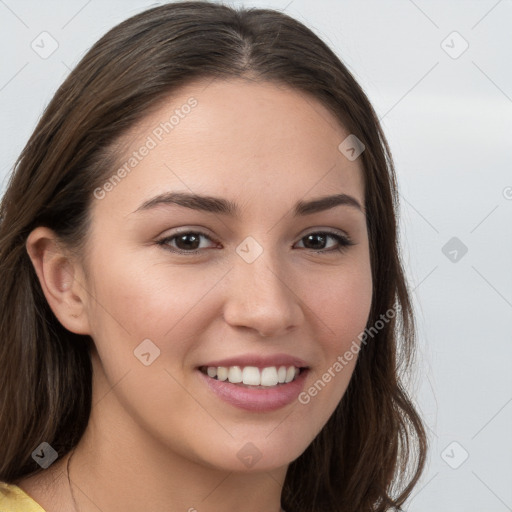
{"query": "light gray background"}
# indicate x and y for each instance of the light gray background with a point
(449, 123)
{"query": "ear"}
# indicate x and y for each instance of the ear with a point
(61, 279)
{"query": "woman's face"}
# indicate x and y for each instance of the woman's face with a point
(216, 248)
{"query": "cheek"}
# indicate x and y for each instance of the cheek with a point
(340, 304)
(134, 301)
(340, 301)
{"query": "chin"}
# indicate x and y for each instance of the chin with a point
(256, 453)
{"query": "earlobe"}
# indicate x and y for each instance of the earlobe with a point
(59, 277)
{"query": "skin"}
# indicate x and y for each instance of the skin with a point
(158, 438)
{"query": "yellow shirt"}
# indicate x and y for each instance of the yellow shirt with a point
(14, 499)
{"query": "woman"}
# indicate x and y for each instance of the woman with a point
(203, 305)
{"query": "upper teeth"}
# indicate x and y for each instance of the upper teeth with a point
(253, 376)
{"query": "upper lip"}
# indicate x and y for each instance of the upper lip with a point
(260, 361)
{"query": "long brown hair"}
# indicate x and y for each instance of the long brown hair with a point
(372, 451)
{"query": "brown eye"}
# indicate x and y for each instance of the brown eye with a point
(320, 242)
(186, 242)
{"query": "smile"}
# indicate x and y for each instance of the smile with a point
(270, 376)
(255, 388)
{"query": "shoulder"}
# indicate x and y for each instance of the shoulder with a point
(14, 499)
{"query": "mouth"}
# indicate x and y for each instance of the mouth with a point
(253, 376)
(254, 383)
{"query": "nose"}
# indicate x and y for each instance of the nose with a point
(263, 298)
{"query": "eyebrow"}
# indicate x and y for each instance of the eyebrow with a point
(225, 207)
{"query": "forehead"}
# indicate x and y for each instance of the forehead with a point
(250, 142)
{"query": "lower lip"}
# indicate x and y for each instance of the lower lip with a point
(256, 399)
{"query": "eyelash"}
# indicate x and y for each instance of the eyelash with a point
(343, 242)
